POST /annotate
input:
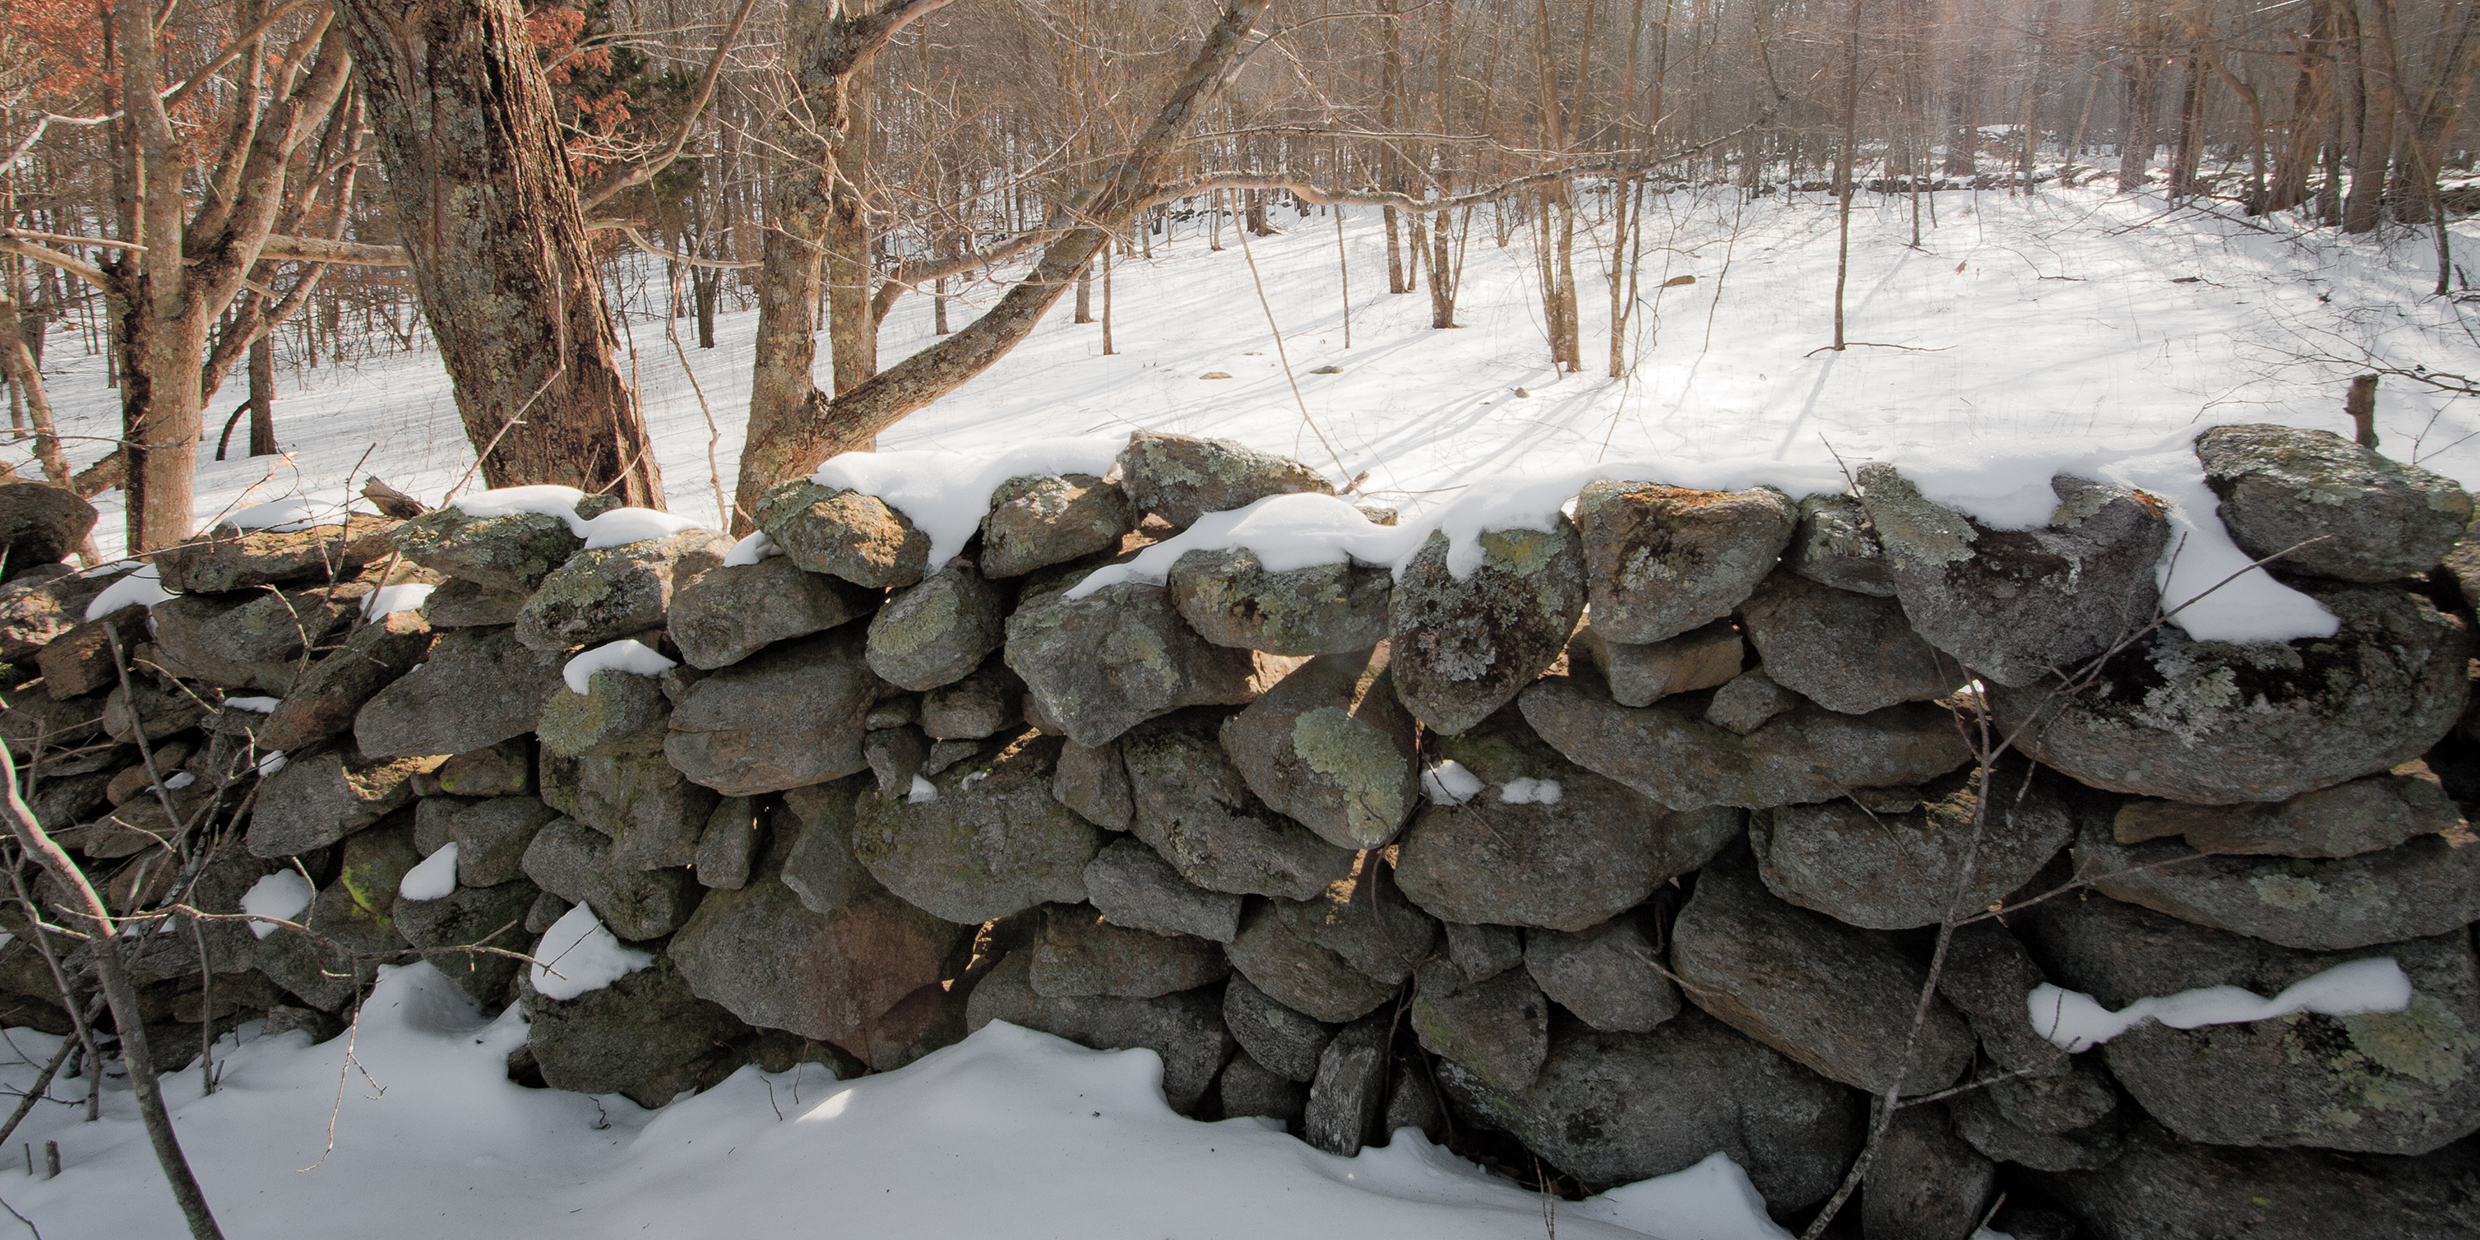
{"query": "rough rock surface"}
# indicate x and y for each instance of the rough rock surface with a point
(1248, 1087)
(1286, 1041)
(1987, 978)
(2412, 890)
(1836, 546)
(646, 1037)
(1193, 807)
(1301, 975)
(1668, 752)
(1080, 954)
(1186, 1029)
(2014, 604)
(1994, 1131)
(1039, 521)
(478, 688)
(1844, 651)
(1464, 647)
(843, 533)
(2404, 1082)
(936, 632)
(1232, 600)
(1614, 1108)
(573, 861)
(1664, 559)
(1498, 1028)
(1926, 1183)
(79, 661)
(511, 553)
(1568, 864)
(1098, 665)
(1093, 781)
(1329, 747)
(491, 837)
(37, 607)
(280, 624)
(324, 701)
(1133, 886)
(319, 799)
(462, 604)
(729, 614)
(1747, 703)
(989, 843)
(1483, 952)
(1181, 478)
(786, 717)
(226, 559)
(463, 918)
(41, 523)
(615, 592)
(2213, 723)
(179, 624)
(1608, 975)
(1894, 870)
(354, 913)
(1642, 674)
(2363, 517)
(620, 712)
(2361, 816)
(1349, 1094)
(1837, 999)
(2167, 1189)
(1365, 920)
(729, 849)
(653, 814)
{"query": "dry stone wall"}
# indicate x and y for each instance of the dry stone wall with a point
(1626, 846)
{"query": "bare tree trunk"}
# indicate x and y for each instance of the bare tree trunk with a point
(2142, 68)
(2373, 69)
(262, 396)
(471, 143)
(1842, 170)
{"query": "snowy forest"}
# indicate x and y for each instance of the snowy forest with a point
(1683, 618)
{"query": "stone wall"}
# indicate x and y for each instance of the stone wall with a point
(1359, 851)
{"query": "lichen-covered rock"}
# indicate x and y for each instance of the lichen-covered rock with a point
(647, 1036)
(1036, 522)
(2163, 1188)
(462, 604)
(1521, 854)
(1133, 886)
(1890, 869)
(1498, 1027)
(2214, 722)
(843, 533)
(935, 632)
(318, 799)
(178, 624)
(2014, 605)
(1099, 665)
(505, 769)
(2423, 887)
(1642, 674)
(731, 613)
(1286, 1041)
(786, 717)
(2364, 815)
(1300, 974)
(620, 712)
(492, 835)
(1836, 546)
(1463, 646)
(1844, 651)
(1232, 600)
(1181, 478)
(40, 606)
(653, 814)
(2361, 516)
(41, 523)
(1329, 747)
(615, 592)
(324, 701)
(1664, 559)
(1194, 808)
(465, 918)
(989, 700)
(1925, 1183)
(354, 914)
(479, 687)
(1079, 954)
(1608, 975)
(1667, 751)
(988, 842)
(1614, 1108)
(1186, 1028)
(574, 862)
(2404, 1082)
(512, 553)
(1093, 781)
(1837, 999)
(225, 559)
(1366, 921)
(279, 624)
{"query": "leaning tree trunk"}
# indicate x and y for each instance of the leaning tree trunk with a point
(491, 220)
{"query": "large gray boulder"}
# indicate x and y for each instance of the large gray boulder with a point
(41, 523)
(1463, 646)
(786, 717)
(1590, 851)
(843, 533)
(324, 700)
(1181, 478)
(1614, 1108)
(1330, 747)
(2412, 890)
(1669, 752)
(1925, 1183)
(466, 918)
(2215, 723)
(1036, 522)
(1891, 867)
(2404, 1082)
(513, 552)
(1133, 886)
(1099, 665)
(935, 632)
(1186, 1028)
(1193, 807)
(2014, 605)
(2364, 815)
(1608, 975)
(616, 592)
(733, 612)
(318, 799)
(1844, 651)
(2164, 1188)
(1301, 974)
(985, 842)
(2361, 516)
(479, 687)
(1837, 999)
(1080, 954)
(1664, 559)
(1232, 600)
(647, 1036)
(1287, 1041)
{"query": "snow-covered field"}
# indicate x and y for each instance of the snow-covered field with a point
(2023, 333)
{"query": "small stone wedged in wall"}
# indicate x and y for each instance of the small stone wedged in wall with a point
(39, 606)
(1663, 560)
(491, 837)
(1460, 649)
(1230, 599)
(1330, 747)
(1994, 1131)
(1347, 1098)
(2360, 516)
(1642, 674)
(988, 700)
(1093, 781)
(1181, 478)
(1249, 1088)
(462, 604)
(845, 534)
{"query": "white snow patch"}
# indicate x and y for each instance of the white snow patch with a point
(299, 512)
(179, 780)
(578, 955)
(283, 894)
(1449, 783)
(272, 763)
(626, 655)
(946, 494)
(2076, 1021)
(433, 879)
(144, 587)
(622, 526)
(1285, 532)
(1531, 792)
(388, 600)
(260, 705)
(547, 500)
(1712, 1200)
(750, 550)
(923, 791)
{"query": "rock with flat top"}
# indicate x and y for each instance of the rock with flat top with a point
(1664, 559)
(1181, 478)
(1642, 674)
(936, 631)
(2361, 516)
(615, 592)
(786, 717)
(2364, 815)
(1894, 866)
(1608, 975)
(478, 687)
(224, 559)
(1844, 651)
(1836, 546)
(1231, 599)
(1080, 954)
(2425, 886)
(512, 553)
(1133, 886)
(318, 799)
(730, 613)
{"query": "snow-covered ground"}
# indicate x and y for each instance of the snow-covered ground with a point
(2065, 327)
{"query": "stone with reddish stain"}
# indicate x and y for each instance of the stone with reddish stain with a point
(1663, 560)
